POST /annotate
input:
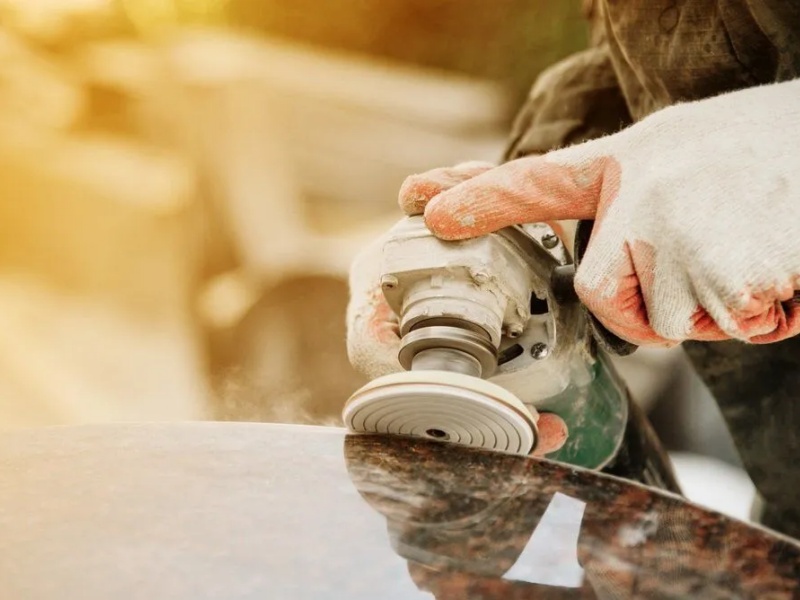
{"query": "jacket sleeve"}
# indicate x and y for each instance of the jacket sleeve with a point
(573, 101)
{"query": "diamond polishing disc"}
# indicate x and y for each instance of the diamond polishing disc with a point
(444, 406)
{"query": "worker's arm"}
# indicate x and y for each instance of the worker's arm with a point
(576, 100)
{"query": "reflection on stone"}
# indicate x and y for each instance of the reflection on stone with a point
(551, 556)
(477, 524)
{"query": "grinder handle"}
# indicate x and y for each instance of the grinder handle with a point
(562, 283)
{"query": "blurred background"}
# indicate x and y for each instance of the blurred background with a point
(183, 184)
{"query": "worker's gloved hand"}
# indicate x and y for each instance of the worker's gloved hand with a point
(373, 337)
(373, 330)
(417, 190)
(697, 217)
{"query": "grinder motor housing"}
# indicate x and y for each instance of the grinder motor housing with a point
(501, 307)
(488, 286)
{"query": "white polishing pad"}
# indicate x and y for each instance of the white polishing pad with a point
(445, 406)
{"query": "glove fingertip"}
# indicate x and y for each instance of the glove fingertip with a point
(464, 213)
(414, 194)
(419, 189)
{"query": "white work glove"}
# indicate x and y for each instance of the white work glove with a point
(373, 336)
(697, 217)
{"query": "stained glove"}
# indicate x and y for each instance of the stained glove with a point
(696, 209)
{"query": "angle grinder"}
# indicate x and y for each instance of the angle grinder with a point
(492, 335)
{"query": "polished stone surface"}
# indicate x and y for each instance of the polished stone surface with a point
(233, 511)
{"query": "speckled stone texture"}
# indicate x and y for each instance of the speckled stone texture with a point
(234, 511)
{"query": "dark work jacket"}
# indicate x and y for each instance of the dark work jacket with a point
(646, 55)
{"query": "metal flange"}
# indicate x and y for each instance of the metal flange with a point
(445, 338)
